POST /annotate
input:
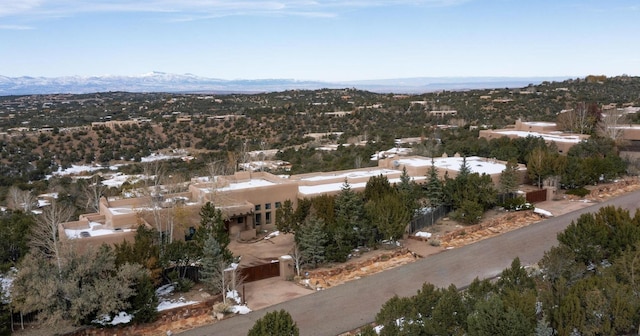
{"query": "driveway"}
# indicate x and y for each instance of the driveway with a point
(354, 304)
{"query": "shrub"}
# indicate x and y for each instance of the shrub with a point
(275, 323)
(517, 204)
(580, 192)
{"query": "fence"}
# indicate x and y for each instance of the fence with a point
(427, 218)
(259, 272)
(537, 196)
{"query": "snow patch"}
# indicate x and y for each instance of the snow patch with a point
(543, 212)
(423, 234)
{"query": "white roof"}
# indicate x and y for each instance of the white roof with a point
(539, 123)
(476, 164)
(351, 175)
(335, 187)
(253, 183)
(545, 136)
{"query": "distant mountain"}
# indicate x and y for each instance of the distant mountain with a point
(164, 82)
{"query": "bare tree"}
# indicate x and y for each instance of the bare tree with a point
(610, 125)
(297, 258)
(20, 199)
(93, 191)
(45, 235)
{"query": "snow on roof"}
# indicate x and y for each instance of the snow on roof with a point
(253, 183)
(92, 231)
(476, 164)
(335, 187)
(545, 136)
(351, 174)
(539, 123)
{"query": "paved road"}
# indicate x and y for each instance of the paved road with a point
(351, 305)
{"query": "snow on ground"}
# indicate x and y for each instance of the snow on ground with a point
(272, 234)
(6, 280)
(238, 308)
(166, 303)
(423, 234)
(543, 212)
(121, 318)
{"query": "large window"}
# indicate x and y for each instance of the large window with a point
(258, 219)
(267, 217)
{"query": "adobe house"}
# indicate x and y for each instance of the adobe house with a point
(546, 130)
(248, 200)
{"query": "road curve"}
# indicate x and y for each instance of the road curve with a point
(354, 304)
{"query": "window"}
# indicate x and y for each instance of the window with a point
(267, 217)
(190, 233)
(258, 207)
(267, 206)
(278, 205)
(240, 220)
(258, 219)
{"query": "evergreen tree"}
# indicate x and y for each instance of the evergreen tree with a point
(509, 177)
(14, 235)
(350, 229)
(275, 323)
(5, 314)
(212, 225)
(377, 187)
(389, 216)
(312, 239)
(285, 218)
(213, 266)
(144, 304)
(407, 189)
(434, 187)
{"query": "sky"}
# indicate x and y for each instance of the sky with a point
(327, 40)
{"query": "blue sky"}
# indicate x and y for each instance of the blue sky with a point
(326, 40)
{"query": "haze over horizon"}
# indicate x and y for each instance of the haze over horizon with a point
(322, 40)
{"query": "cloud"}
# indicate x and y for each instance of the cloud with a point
(15, 27)
(197, 9)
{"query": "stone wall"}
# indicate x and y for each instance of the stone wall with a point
(170, 321)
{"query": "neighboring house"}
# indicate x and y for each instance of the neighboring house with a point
(546, 130)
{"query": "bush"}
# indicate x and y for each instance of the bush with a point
(580, 192)
(275, 323)
(517, 204)
(182, 284)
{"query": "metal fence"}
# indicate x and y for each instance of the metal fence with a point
(427, 218)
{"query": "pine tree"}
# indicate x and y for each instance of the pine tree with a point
(213, 266)
(285, 218)
(275, 323)
(312, 239)
(351, 229)
(144, 304)
(5, 314)
(407, 191)
(509, 177)
(434, 187)
(389, 216)
(212, 225)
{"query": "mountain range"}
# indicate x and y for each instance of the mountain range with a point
(188, 83)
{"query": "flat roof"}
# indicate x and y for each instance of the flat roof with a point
(91, 231)
(546, 136)
(350, 174)
(253, 183)
(337, 186)
(476, 164)
(539, 123)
